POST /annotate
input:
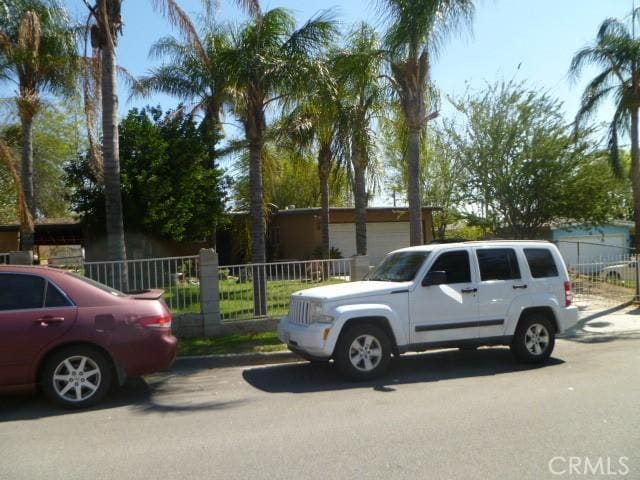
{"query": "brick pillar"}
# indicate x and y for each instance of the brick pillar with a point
(209, 291)
(359, 267)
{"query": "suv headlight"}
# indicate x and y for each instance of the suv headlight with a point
(317, 314)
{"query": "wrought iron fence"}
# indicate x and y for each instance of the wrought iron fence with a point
(606, 281)
(177, 276)
(242, 296)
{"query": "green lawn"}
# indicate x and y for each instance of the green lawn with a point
(237, 298)
(252, 343)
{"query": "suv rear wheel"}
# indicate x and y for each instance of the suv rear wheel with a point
(363, 352)
(534, 339)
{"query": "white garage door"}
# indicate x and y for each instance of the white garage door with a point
(591, 248)
(382, 237)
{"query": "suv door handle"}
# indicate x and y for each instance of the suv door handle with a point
(516, 287)
(46, 321)
(469, 290)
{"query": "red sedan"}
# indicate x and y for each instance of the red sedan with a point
(74, 337)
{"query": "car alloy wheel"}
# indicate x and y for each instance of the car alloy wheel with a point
(365, 353)
(536, 339)
(77, 378)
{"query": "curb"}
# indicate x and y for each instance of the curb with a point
(235, 360)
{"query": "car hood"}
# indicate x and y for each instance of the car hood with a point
(341, 291)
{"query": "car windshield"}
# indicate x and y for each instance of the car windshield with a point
(398, 267)
(101, 286)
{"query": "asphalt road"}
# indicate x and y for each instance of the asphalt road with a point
(439, 415)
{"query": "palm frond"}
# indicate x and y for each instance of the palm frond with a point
(181, 20)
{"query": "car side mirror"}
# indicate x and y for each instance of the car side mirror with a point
(436, 277)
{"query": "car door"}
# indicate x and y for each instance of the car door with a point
(33, 313)
(448, 311)
(500, 282)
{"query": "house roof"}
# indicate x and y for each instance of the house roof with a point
(615, 223)
(302, 211)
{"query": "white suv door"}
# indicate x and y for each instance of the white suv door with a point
(448, 311)
(500, 282)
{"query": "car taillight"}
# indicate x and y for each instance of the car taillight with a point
(156, 321)
(568, 295)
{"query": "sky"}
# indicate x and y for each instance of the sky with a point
(531, 40)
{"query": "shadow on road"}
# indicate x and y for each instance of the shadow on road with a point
(142, 396)
(423, 368)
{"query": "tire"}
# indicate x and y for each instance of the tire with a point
(76, 377)
(534, 339)
(363, 352)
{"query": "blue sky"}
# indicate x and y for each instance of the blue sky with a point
(538, 36)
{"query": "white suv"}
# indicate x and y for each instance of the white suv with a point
(457, 295)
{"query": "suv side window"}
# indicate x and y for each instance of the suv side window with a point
(541, 262)
(498, 264)
(456, 264)
(21, 292)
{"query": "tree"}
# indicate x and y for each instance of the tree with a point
(169, 186)
(268, 61)
(290, 178)
(525, 167)
(38, 54)
(416, 28)
(316, 125)
(192, 73)
(107, 25)
(6, 160)
(616, 51)
(56, 142)
(358, 71)
(442, 175)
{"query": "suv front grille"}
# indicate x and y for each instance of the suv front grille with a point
(299, 311)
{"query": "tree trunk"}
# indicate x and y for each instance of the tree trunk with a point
(116, 249)
(324, 169)
(361, 200)
(27, 237)
(635, 175)
(255, 135)
(413, 190)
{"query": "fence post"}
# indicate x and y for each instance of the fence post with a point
(359, 267)
(209, 291)
(637, 264)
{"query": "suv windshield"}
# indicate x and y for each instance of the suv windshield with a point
(398, 267)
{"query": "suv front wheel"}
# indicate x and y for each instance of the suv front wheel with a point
(363, 352)
(534, 339)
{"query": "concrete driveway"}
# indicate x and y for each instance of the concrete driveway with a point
(445, 414)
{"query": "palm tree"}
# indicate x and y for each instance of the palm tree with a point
(415, 31)
(38, 54)
(315, 123)
(268, 62)
(358, 70)
(107, 25)
(617, 52)
(193, 75)
(26, 220)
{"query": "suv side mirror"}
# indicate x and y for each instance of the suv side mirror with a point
(436, 277)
